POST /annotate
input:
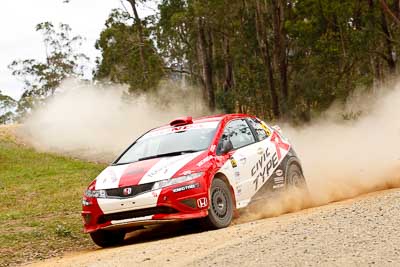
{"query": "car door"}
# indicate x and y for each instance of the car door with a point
(242, 158)
(274, 149)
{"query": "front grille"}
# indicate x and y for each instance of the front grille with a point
(135, 214)
(134, 190)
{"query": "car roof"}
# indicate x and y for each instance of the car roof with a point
(211, 118)
(220, 117)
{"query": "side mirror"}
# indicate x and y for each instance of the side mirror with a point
(226, 146)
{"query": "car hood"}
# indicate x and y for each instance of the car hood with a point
(145, 171)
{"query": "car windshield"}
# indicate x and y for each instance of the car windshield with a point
(170, 142)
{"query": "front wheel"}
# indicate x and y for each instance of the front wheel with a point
(105, 238)
(220, 211)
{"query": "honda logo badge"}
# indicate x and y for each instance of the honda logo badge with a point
(127, 191)
(202, 202)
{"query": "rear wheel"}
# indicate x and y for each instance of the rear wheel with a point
(220, 211)
(105, 239)
(294, 177)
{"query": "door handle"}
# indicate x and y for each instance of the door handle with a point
(260, 150)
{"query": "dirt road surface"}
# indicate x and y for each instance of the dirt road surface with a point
(358, 232)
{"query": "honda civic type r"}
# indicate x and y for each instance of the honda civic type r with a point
(203, 168)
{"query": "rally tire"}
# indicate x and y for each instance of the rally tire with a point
(105, 239)
(220, 211)
(294, 176)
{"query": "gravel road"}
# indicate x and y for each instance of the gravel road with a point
(358, 232)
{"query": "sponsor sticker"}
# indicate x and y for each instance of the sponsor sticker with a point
(264, 167)
(278, 186)
(204, 125)
(269, 160)
(187, 172)
(144, 218)
(185, 187)
(135, 171)
(234, 163)
(163, 168)
(265, 127)
(241, 158)
(239, 190)
(109, 176)
(279, 172)
(212, 149)
(201, 162)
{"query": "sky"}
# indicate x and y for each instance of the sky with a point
(19, 40)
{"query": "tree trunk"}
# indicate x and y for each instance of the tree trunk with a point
(390, 57)
(396, 8)
(385, 8)
(206, 62)
(263, 43)
(281, 47)
(138, 23)
(228, 82)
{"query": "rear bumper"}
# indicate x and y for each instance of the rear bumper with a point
(170, 205)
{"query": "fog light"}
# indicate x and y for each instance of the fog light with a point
(86, 218)
(85, 202)
(191, 202)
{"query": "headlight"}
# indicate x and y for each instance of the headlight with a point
(177, 180)
(96, 193)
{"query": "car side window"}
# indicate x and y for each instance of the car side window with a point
(239, 133)
(260, 128)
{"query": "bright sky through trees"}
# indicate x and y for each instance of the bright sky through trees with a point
(20, 40)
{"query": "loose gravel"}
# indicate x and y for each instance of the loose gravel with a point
(357, 232)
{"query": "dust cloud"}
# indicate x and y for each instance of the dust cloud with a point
(344, 158)
(341, 158)
(98, 121)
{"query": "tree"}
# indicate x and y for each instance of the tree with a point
(41, 79)
(278, 59)
(128, 54)
(7, 107)
(140, 36)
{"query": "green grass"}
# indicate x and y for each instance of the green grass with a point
(40, 203)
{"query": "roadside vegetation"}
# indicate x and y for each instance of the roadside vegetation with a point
(40, 203)
(279, 60)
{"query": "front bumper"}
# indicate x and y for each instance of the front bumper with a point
(184, 201)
